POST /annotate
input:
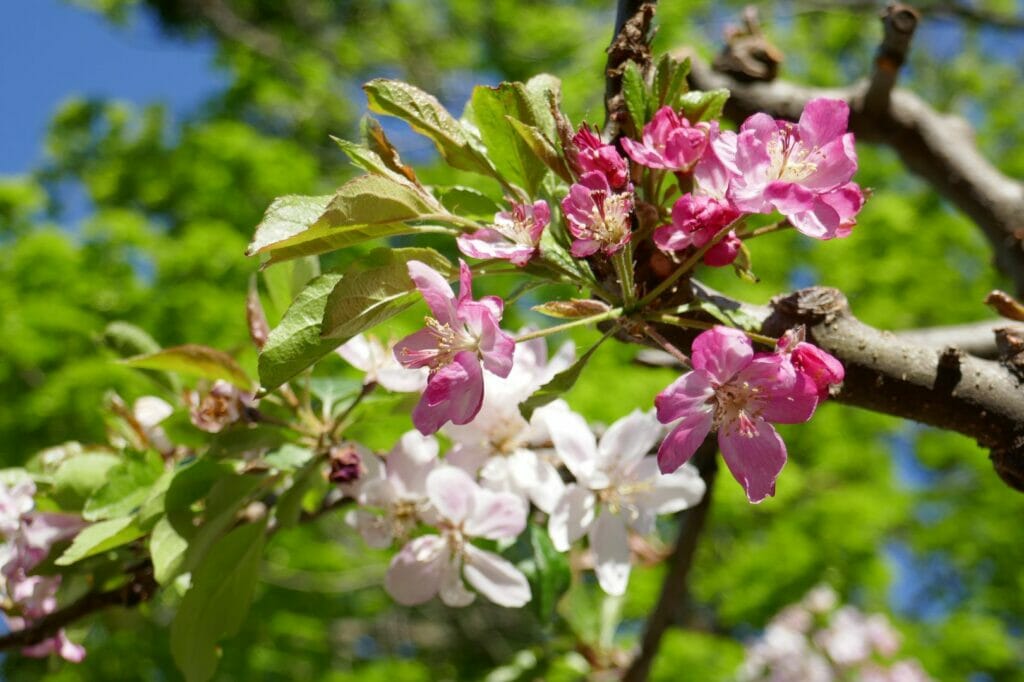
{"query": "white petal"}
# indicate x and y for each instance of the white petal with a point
(496, 578)
(375, 528)
(356, 352)
(410, 461)
(538, 477)
(496, 515)
(681, 489)
(609, 542)
(150, 411)
(575, 445)
(402, 380)
(453, 590)
(415, 573)
(626, 441)
(452, 493)
(571, 517)
(468, 457)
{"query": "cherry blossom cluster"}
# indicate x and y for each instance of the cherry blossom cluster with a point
(815, 640)
(27, 536)
(499, 464)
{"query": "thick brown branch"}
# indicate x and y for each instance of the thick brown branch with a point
(674, 586)
(938, 147)
(900, 22)
(141, 587)
(943, 388)
(631, 42)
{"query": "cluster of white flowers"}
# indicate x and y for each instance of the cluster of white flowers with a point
(27, 536)
(814, 641)
(499, 464)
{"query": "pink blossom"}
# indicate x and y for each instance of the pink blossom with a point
(813, 365)
(669, 142)
(595, 156)
(515, 236)
(804, 171)
(739, 393)
(462, 335)
(696, 220)
(597, 217)
(436, 564)
(617, 487)
(378, 362)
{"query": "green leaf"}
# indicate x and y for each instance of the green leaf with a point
(493, 111)
(560, 383)
(285, 280)
(244, 438)
(195, 360)
(295, 343)
(375, 289)
(670, 80)
(287, 216)
(469, 203)
(427, 117)
(227, 496)
(550, 575)
(288, 457)
(167, 550)
(78, 477)
(364, 208)
(100, 537)
(703, 106)
(126, 339)
(127, 487)
(215, 605)
(289, 506)
(378, 143)
(543, 148)
(634, 92)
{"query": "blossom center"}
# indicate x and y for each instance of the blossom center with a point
(609, 219)
(738, 406)
(450, 342)
(790, 159)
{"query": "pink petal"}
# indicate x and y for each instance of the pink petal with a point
(755, 460)
(571, 517)
(823, 120)
(488, 243)
(436, 291)
(416, 350)
(416, 572)
(722, 352)
(688, 394)
(465, 283)
(496, 515)
(454, 393)
(794, 407)
(453, 493)
(724, 252)
(835, 162)
(609, 542)
(496, 578)
(680, 444)
(496, 347)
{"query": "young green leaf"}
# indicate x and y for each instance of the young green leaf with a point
(100, 537)
(375, 289)
(194, 360)
(703, 106)
(634, 91)
(468, 202)
(493, 110)
(79, 476)
(295, 344)
(217, 601)
(127, 486)
(560, 383)
(670, 80)
(427, 117)
(542, 148)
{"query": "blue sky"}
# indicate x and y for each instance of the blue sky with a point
(53, 50)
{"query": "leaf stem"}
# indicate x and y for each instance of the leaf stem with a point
(623, 262)
(766, 229)
(612, 314)
(687, 323)
(683, 269)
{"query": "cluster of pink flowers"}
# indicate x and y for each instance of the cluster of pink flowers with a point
(740, 393)
(813, 641)
(500, 464)
(27, 537)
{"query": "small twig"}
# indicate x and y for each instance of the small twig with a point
(900, 22)
(674, 586)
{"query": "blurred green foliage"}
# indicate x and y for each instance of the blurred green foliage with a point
(894, 516)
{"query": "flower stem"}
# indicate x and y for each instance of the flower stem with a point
(592, 319)
(683, 269)
(687, 323)
(766, 229)
(623, 262)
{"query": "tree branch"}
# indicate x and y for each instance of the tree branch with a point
(950, 10)
(141, 587)
(631, 42)
(937, 147)
(674, 586)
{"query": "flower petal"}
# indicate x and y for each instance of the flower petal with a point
(755, 460)
(435, 289)
(681, 489)
(722, 352)
(496, 578)
(823, 120)
(409, 462)
(416, 572)
(496, 515)
(571, 517)
(609, 542)
(452, 492)
(538, 477)
(626, 441)
(688, 394)
(576, 446)
(454, 393)
(682, 442)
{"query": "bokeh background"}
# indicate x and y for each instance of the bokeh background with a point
(140, 142)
